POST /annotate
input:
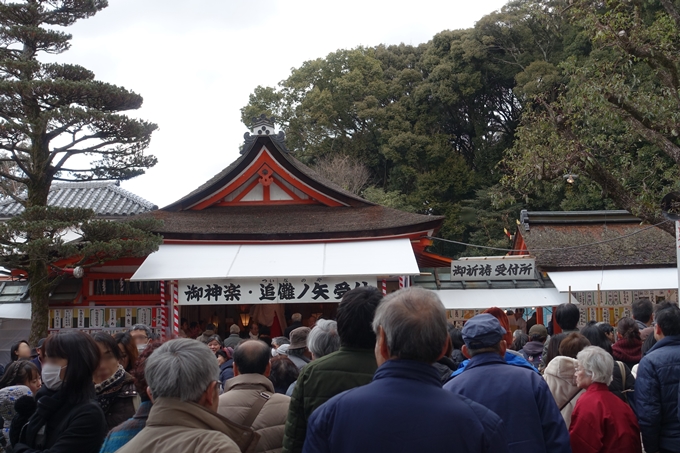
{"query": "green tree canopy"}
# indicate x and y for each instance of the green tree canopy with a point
(477, 124)
(612, 112)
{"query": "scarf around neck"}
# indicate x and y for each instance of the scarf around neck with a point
(629, 351)
(108, 390)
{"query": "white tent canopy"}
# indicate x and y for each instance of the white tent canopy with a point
(321, 259)
(476, 299)
(616, 279)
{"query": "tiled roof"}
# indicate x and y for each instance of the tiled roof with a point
(106, 199)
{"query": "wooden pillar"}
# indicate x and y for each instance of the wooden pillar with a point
(556, 327)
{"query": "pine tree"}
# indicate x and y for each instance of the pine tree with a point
(57, 123)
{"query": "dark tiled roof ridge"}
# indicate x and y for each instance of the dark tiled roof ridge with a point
(106, 198)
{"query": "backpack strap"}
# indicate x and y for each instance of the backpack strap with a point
(570, 400)
(256, 408)
(622, 369)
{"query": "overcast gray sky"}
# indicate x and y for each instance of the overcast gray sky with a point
(195, 63)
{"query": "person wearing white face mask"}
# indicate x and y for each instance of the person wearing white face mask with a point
(141, 334)
(67, 417)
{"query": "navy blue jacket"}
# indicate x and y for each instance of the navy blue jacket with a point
(511, 358)
(656, 396)
(520, 397)
(226, 371)
(403, 409)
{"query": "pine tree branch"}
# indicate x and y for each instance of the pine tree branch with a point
(60, 130)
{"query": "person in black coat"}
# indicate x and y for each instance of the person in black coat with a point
(67, 418)
(114, 387)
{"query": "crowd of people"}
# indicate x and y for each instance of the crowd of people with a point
(388, 374)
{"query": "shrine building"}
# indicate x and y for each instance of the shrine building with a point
(264, 238)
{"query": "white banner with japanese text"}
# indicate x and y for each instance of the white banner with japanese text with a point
(493, 269)
(269, 290)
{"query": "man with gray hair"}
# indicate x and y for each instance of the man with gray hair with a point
(323, 339)
(183, 379)
(234, 338)
(490, 381)
(404, 408)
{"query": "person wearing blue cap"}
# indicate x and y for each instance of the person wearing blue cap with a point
(519, 396)
(404, 408)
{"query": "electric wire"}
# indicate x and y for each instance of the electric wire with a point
(549, 249)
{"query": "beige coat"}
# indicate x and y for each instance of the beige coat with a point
(559, 375)
(180, 427)
(239, 395)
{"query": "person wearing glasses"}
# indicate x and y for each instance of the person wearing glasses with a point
(141, 334)
(183, 380)
(601, 422)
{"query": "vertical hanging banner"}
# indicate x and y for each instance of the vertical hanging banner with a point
(384, 287)
(112, 317)
(96, 318)
(81, 318)
(128, 317)
(57, 319)
(144, 316)
(68, 319)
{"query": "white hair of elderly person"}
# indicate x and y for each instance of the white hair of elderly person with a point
(323, 339)
(601, 421)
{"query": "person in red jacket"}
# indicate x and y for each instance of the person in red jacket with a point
(601, 422)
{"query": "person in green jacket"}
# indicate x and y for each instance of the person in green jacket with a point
(352, 366)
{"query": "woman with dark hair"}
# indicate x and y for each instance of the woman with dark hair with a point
(67, 418)
(623, 382)
(226, 364)
(114, 386)
(128, 350)
(608, 331)
(629, 347)
(457, 343)
(283, 373)
(554, 347)
(123, 433)
(20, 350)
